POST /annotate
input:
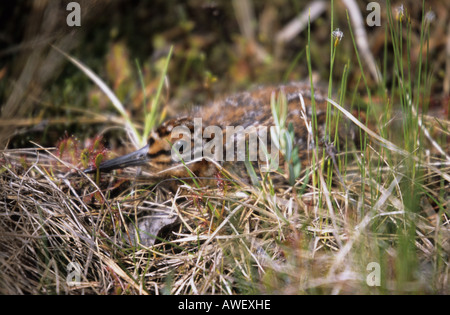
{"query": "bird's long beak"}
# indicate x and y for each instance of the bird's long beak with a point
(135, 158)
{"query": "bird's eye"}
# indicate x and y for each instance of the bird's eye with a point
(181, 150)
(180, 146)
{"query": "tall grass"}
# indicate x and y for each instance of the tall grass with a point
(384, 204)
(151, 116)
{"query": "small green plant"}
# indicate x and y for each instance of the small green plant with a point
(68, 150)
(283, 136)
(151, 116)
(312, 236)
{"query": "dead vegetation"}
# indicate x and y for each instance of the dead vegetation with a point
(226, 240)
(319, 236)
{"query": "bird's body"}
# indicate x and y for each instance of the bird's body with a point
(247, 109)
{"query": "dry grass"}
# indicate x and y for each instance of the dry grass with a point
(229, 239)
(389, 205)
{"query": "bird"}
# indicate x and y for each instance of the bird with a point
(178, 147)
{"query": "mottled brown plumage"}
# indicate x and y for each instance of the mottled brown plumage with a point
(244, 109)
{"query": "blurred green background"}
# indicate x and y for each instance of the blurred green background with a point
(219, 47)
